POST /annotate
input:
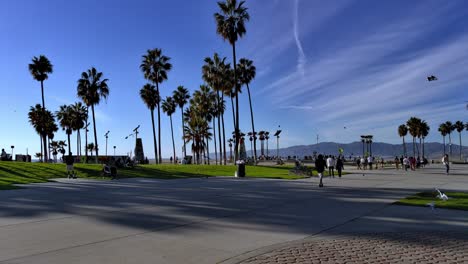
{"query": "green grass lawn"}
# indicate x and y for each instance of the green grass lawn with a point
(457, 200)
(23, 173)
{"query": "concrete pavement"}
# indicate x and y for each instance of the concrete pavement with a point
(209, 220)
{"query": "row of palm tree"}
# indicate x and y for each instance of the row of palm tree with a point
(447, 128)
(91, 89)
(221, 81)
(417, 128)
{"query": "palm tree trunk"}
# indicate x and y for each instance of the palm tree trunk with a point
(95, 136)
(219, 130)
(44, 136)
(419, 147)
(173, 143)
(253, 127)
(233, 113)
(208, 150)
(414, 146)
(214, 139)
(224, 132)
(444, 144)
(154, 138)
(459, 134)
(159, 125)
(69, 144)
(423, 154)
(183, 136)
(86, 134)
(237, 131)
(404, 146)
(42, 151)
(77, 143)
(450, 144)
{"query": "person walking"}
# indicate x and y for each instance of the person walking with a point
(445, 161)
(358, 163)
(370, 161)
(320, 166)
(339, 166)
(364, 163)
(397, 162)
(69, 160)
(331, 166)
(406, 163)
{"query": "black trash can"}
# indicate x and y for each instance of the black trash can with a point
(240, 170)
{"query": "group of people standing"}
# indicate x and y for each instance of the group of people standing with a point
(411, 163)
(330, 163)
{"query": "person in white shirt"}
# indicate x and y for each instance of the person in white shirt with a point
(370, 160)
(445, 161)
(406, 163)
(331, 166)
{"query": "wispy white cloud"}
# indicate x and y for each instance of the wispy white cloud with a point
(302, 57)
(372, 82)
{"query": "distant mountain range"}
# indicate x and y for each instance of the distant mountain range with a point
(431, 150)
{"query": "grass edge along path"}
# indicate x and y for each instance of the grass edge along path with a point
(457, 200)
(23, 173)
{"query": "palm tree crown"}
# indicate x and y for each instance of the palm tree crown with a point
(231, 21)
(40, 68)
(150, 96)
(91, 87)
(181, 96)
(155, 66)
(247, 70)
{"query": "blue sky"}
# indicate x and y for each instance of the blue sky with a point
(321, 65)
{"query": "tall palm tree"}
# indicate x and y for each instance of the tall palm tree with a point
(151, 98)
(169, 107)
(450, 129)
(43, 124)
(443, 131)
(181, 96)
(155, 67)
(79, 119)
(213, 73)
(91, 89)
(50, 127)
(54, 146)
(247, 73)
(424, 132)
(402, 132)
(66, 116)
(459, 126)
(40, 68)
(413, 128)
(201, 103)
(231, 26)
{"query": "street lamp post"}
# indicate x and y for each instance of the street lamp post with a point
(277, 133)
(107, 136)
(12, 147)
(114, 150)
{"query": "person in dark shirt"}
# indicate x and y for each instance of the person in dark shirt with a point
(320, 166)
(70, 170)
(339, 166)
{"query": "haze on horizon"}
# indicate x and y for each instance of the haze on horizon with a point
(321, 66)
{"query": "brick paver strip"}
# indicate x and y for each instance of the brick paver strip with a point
(373, 248)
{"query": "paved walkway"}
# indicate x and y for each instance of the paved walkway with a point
(218, 219)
